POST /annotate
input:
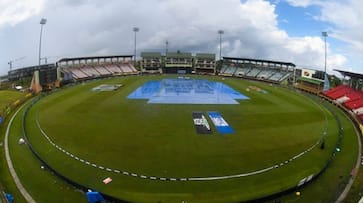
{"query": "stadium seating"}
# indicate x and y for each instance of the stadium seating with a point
(96, 70)
(223, 69)
(277, 76)
(342, 99)
(350, 98)
(354, 104)
(285, 76)
(353, 95)
(90, 71)
(338, 92)
(228, 70)
(242, 71)
(265, 74)
(254, 72)
(78, 74)
(114, 69)
(133, 69)
(125, 69)
(103, 71)
(358, 111)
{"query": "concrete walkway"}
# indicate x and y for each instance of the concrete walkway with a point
(16, 179)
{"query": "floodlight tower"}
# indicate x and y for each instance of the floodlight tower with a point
(135, 29)
(325, 35)
(220, 32)
(43, 21)
(15, 60)
(166, 47)
(11, 65)
(45, 59)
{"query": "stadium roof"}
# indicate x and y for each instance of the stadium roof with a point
(179, 55)
(261, 61)
(316, 82)
(31, 68)
(94, 57)
(151, 54)
(350, 74)
(205, 55)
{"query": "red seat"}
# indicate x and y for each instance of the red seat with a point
(354, 104)
(353, 95)
(338, 92)
(361, 117)
(328, 92)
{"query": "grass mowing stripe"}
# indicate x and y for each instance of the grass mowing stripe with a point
(329, 185)
(8, 96)
(34, 179)
(297, 130)
(227, 176)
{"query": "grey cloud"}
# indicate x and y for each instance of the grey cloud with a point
(91, 27)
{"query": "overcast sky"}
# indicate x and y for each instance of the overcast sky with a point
(283, 30)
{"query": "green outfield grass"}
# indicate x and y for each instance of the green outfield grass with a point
(331, 183)
(160, 140)
(8, 96)
(41, 184)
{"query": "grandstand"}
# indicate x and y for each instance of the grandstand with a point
(349, 98)
(113, 69)
(151, 62)
(242, 71)
(309, 85)
(228, 70)
(42, 77)
(205, 64)
(349, 95)
(272, 71)
(27, 72)
(178, 62)
(83, 68)
(309, 80)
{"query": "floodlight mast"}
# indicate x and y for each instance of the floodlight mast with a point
(43, 21)
(325, 35)
(15, 60)
(11, 65)
(220, 32)
(135, 29)
(166, 47)
(45, 59)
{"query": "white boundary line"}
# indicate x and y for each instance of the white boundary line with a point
(118, 171)
(184, 178)
(16, 179)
